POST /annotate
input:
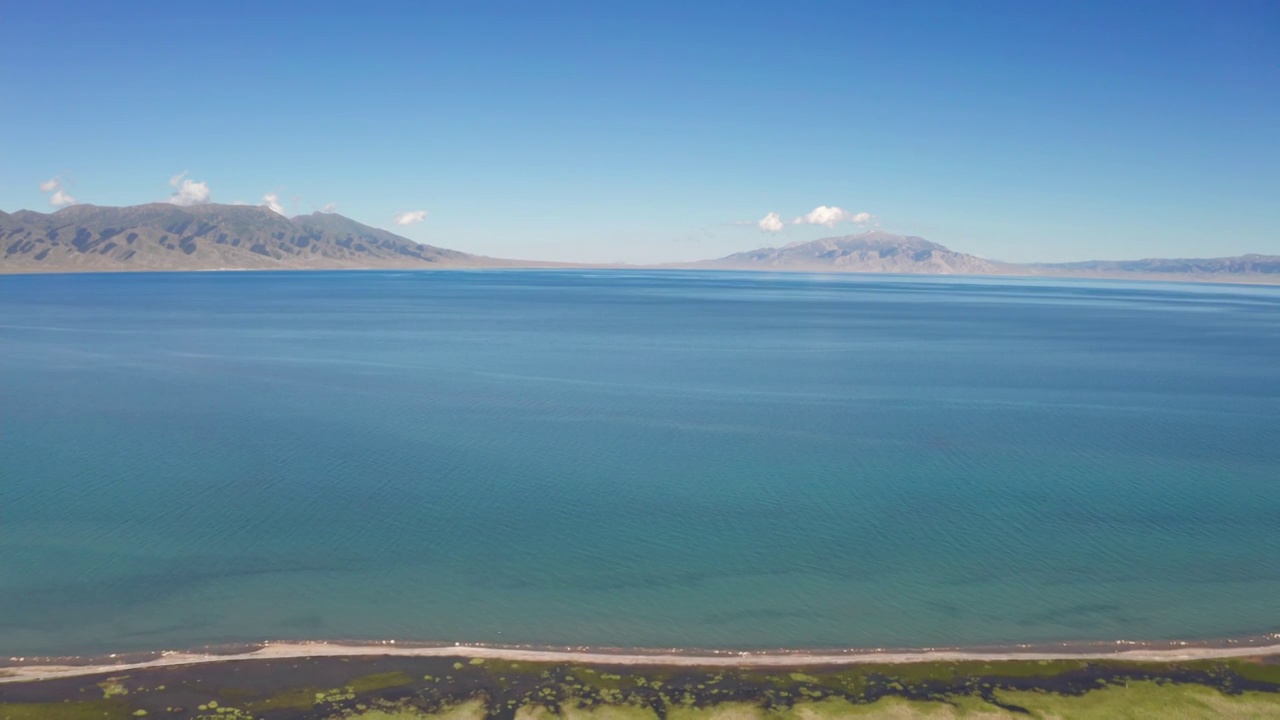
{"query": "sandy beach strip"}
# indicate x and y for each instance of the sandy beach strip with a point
(299, 650)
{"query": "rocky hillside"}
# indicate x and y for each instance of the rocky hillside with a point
(161, 236)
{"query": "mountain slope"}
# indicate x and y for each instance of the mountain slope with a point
(880, 252)
(869, 252)
(161, 236)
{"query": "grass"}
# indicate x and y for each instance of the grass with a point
(1243, 688)
(1255, 669)
(112, 709)
(113, 687)
(1146, 700)
(306, 697)
(719, 711)
(293, 699)
(608, 712)
(379, 681)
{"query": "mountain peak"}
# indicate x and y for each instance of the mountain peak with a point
(870, 251)
(164, 236)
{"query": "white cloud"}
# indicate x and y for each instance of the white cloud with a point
(770, 223)
(60, 197)
(410, 217)
(272, 201)
(830, 216)
(191, 193)
(823, 215)
(188, 191)
(329, 207)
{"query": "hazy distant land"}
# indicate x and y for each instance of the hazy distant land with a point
(162, 236)
(881, 252)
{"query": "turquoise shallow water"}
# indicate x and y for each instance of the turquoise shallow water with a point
(656, 459)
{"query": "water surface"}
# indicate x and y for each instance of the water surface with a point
(657, 459)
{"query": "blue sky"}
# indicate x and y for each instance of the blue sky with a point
(666, 131)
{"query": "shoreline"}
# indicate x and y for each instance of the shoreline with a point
(1257, 281)
(29, 669)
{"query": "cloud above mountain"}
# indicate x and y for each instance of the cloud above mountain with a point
(410, 217)
(272, 201)
(827, 216)
(770, 223)
(58, 196)
(188, 191)
(830, 216)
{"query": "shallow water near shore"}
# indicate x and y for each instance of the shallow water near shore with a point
(651, 459)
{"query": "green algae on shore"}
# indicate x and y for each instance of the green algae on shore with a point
(405, 688)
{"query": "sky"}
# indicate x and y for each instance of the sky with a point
(665, 131)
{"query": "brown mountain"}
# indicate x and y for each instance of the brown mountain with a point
(869, 252)
(161, 236)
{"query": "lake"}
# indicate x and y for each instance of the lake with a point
(634, 458)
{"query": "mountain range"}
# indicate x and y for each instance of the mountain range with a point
(881, 252)
(163, 236)
(874, 252)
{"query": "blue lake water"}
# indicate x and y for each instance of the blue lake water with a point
(659, 459)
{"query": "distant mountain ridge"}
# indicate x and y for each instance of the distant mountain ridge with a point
(881, 252)
(874, 251)
(163, 236)
(1251, 264)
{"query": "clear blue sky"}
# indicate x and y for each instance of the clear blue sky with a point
(665, 130)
